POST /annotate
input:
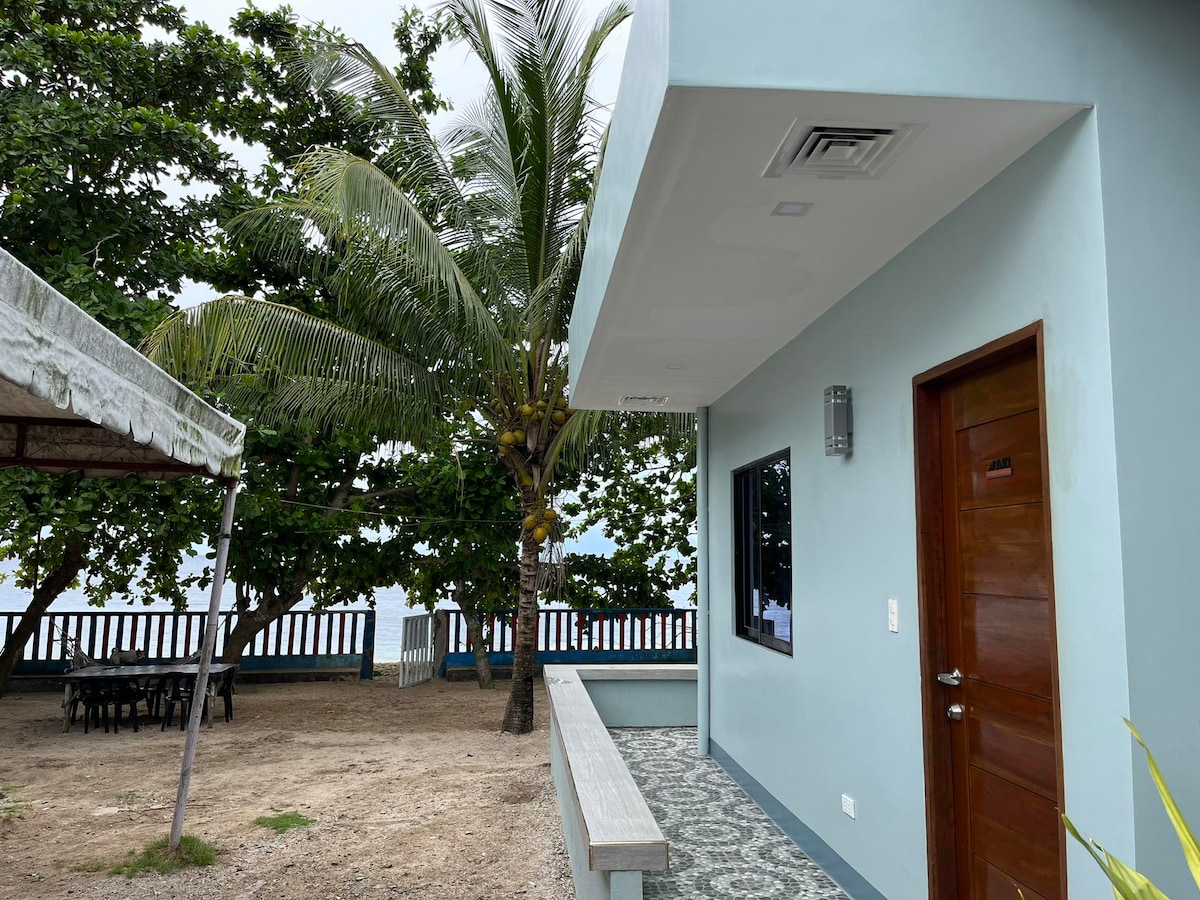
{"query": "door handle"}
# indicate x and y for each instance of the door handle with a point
(953, 679)
(955, 711)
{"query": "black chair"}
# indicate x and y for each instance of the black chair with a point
(156, 690)
(225, 692)
(95, 698)
(180, 690)
(127, 692)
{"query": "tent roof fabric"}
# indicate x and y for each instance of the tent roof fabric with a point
(73, 395)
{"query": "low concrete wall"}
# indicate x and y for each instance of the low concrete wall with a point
(590, 884)
(607, 832)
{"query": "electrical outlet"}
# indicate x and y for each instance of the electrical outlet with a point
(848, 805)
(893, 615)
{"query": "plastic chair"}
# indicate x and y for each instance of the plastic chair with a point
(181, 690)
(225, 692)
(95, 700)
(127, 692)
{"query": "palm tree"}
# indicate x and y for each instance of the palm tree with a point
(455, 265)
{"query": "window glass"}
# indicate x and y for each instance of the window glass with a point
(763, 552)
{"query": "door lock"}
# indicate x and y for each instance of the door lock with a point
(953, 679)
(955, 711)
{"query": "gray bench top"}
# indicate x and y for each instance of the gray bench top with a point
(618, 826)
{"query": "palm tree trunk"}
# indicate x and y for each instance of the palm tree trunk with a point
(57, 580)
(518, 716)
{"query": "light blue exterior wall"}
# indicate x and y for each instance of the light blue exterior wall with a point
(843, 715)
(1094, 231)
(1137, 63)
(638, 704)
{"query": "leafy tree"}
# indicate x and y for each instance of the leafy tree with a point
(453, 538)
(458, 281)
(307, 490)
(94, 114)
(641, 495)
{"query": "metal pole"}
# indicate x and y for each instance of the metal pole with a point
(200, 692)
(703, 634)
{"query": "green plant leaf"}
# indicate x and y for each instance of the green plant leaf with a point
(1187, 840)
(1101, 856)
(1136, 885)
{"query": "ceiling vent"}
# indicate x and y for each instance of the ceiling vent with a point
(838, 149)
(635, 402)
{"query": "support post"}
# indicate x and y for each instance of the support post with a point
(368, 652)
(207, 649)
(441, 641)
(703, 638)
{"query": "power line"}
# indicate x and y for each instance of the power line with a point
(367, 512)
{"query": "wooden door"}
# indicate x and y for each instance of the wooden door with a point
(997, 685)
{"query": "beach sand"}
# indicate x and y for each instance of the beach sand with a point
(415, 794)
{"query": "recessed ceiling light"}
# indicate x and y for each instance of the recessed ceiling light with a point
(793, 208)
(674, 365)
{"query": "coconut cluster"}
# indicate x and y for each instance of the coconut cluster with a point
(539, 522)
(531, 413)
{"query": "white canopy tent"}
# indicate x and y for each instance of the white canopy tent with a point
(75, 397)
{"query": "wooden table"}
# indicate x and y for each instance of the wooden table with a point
(71, 680)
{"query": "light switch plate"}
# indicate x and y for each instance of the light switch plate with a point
(848, 805)
(893, 615)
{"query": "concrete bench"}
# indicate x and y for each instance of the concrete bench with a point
(610, 832)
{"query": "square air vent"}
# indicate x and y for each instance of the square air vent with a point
(645, 402)
(838, 149)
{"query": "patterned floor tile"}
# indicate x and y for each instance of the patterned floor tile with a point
(722, 845)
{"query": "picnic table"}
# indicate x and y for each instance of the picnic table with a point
(72, 679)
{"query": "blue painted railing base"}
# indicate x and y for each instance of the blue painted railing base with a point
(344, 662)
(571, 657)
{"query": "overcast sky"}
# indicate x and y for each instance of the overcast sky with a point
(458, 77)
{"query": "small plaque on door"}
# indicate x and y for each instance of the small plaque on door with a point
(1000, 468)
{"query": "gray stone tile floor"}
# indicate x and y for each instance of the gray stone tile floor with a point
(723, 845)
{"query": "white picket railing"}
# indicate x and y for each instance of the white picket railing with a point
(416, 650)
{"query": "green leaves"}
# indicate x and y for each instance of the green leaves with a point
(1127, 883)
(1187, 839)
(286, 365)
(93, 112)
(91, 118)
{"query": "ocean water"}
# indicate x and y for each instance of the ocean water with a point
(391, 607)
(391, 604)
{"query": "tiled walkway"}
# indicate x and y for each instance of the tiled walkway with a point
(722, 845)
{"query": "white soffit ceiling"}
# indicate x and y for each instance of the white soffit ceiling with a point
(708, 284)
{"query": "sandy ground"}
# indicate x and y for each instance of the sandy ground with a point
(415, 793)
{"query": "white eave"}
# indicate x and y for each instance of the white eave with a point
(75, 396)
(690, 282)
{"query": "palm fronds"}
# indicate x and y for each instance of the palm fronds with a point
(309, 368)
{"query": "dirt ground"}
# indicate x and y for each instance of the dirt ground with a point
(415, 793)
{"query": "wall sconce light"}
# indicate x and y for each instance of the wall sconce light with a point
(839, 420)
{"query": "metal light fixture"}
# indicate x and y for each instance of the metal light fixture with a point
(839, 420)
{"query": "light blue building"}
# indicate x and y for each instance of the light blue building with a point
(981, 219)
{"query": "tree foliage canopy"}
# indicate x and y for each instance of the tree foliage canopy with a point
(95, 115)
(455, 263)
